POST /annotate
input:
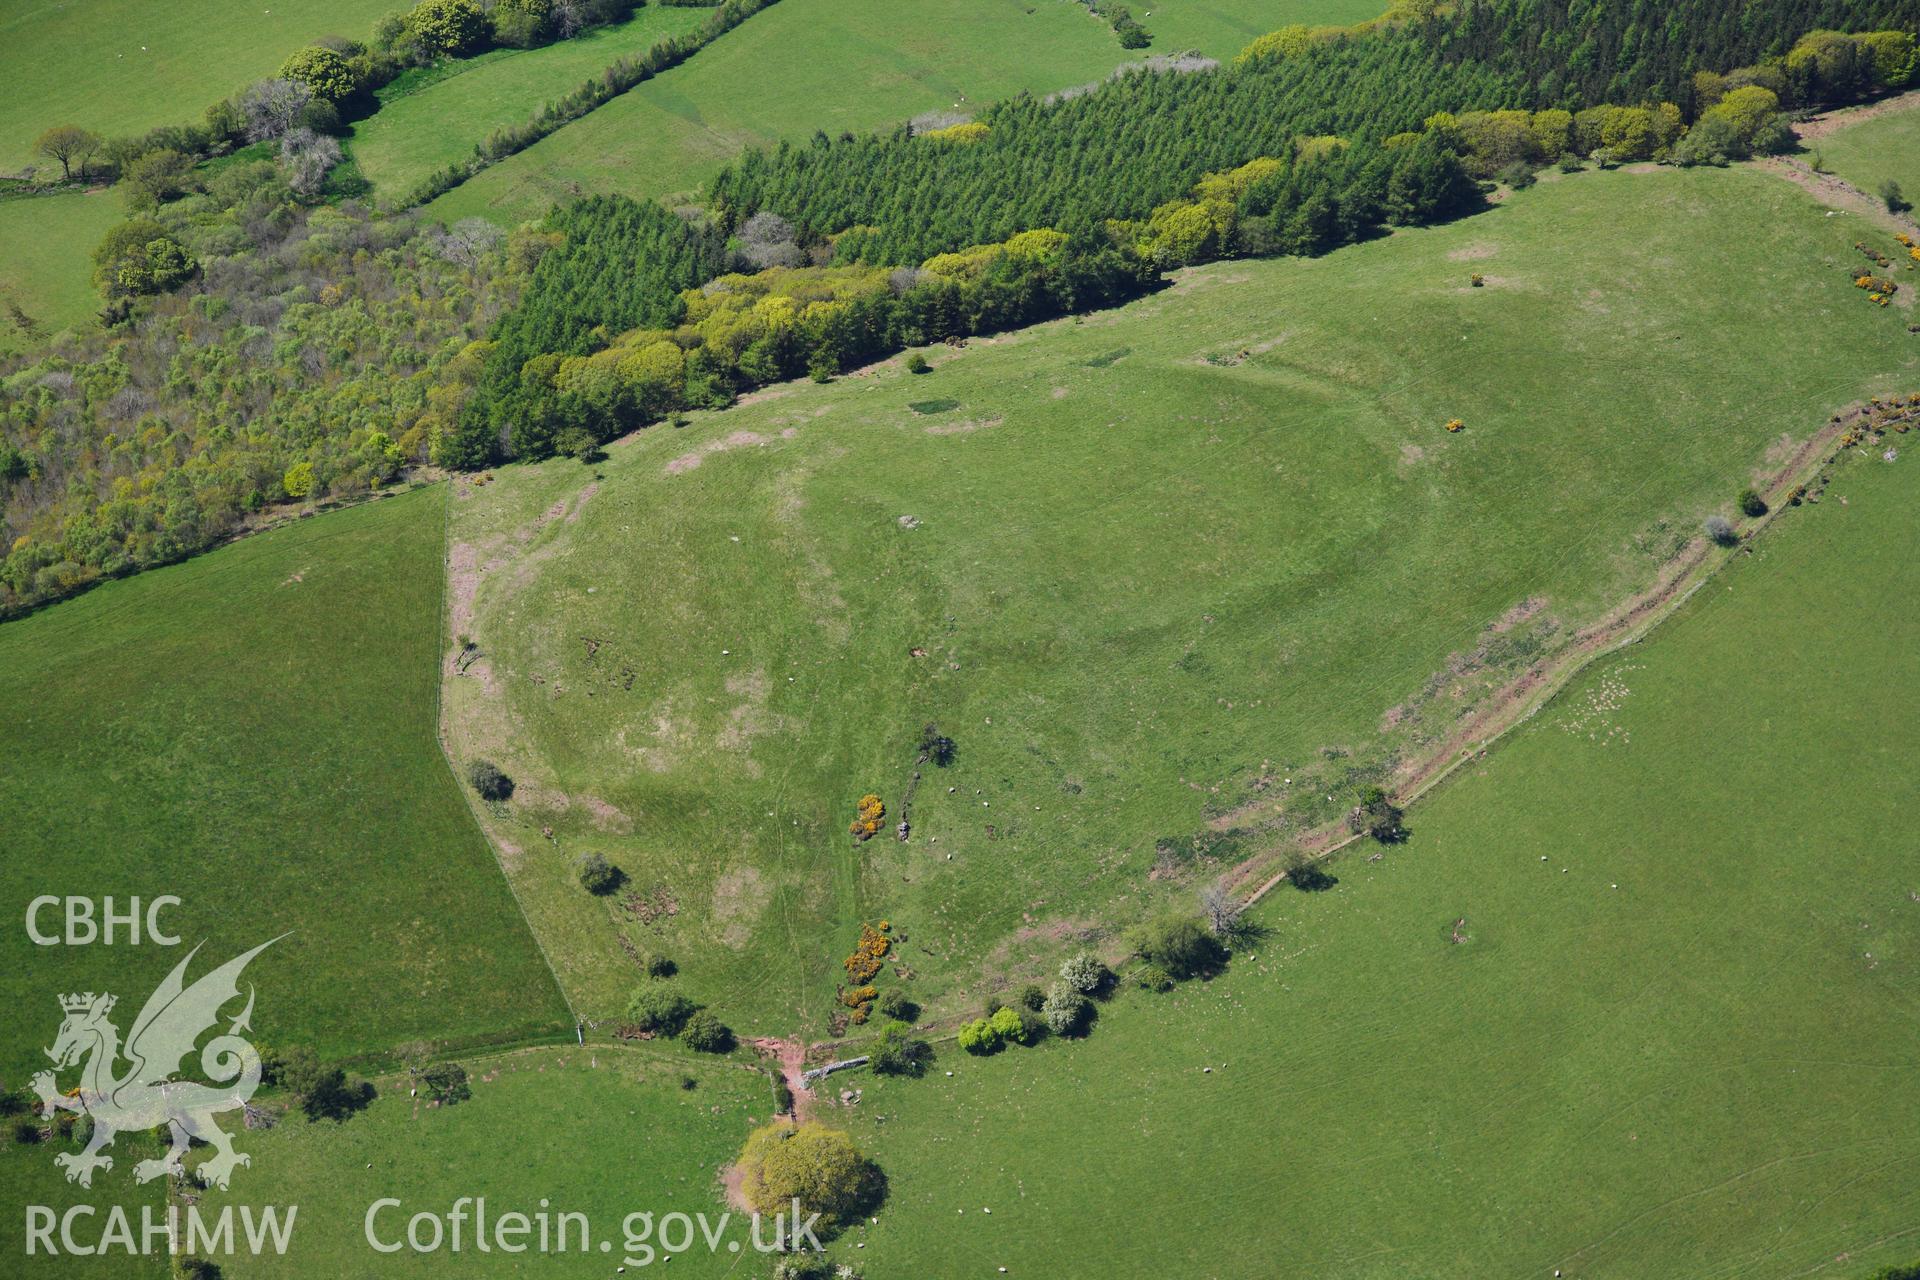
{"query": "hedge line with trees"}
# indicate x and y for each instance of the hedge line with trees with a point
(554, 382)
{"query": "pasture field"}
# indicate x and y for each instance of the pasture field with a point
(253, 732)
(46, 265)
(28, 1176)
(606, 1132)
(799, 66)
(124, 66)
(1882, 146)
(414, 134)
(1678, 1038)
(1221, 28)
(1143, 567)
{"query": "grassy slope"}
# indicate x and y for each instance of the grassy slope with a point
(605, 1133)
(411, 136)
(124, 66)
(800, 66)
(46, 243)
(1876, 150)
(1221, 28)
(1704, 1072)
(1138, 577)
(253, 732)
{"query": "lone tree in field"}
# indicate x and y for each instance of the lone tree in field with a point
(818, 1166)
(600, 877)
(68, 143)
(487, 780)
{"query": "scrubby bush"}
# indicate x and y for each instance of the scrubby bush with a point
(487, 780)
(895, 1003)
(1752, 504)
(658, 1008)
(1893, 197)
(1067, 1011)
(917, 363)
(818, 1166)
(1022, 1025)
(659, 966)
(782, 1097)
(979, 1036)
(1518, 175)
(320, 1090)
(1721, 530)
(1084, 973)
(707, 1034)
(898, 1052)
(126, 267)
(1376, 815)
(1180, 946)
(157, 177)
(269, 108)
(521, 24)
(1151, 977)
(1032, 997)
(307, 157)
(26, 1132)
(446, 28)
(325, 73)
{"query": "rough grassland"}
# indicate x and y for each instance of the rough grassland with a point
(604, 1132)
(1139, 578)
(252, 731)
(124, 66)
(1704, 1072)
(1875, 150)
(413, 135)
(801, 65)
(46, 243)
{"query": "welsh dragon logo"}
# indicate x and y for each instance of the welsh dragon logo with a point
(146, 1094)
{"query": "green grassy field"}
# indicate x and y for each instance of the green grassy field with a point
(124, 66)
(1213, 536)
(411, 136)
(606, 1132)
(1221, 28)
(46, 243)
(253, 731)
(805, 65)
(28, 1176)
(1882, 148)
(1705, 1071)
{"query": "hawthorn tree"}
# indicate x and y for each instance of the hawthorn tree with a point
(68, 143)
